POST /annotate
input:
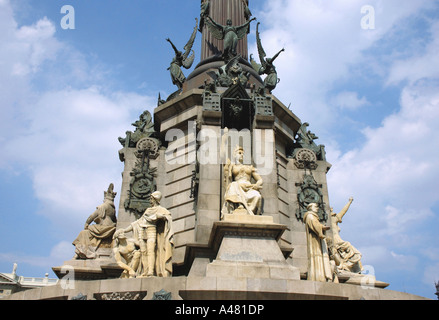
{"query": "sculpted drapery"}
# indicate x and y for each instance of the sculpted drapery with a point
(104, 218)
(154, 239)
(241, 195)
(319, 268)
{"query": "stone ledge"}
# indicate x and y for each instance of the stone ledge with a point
(212, 288)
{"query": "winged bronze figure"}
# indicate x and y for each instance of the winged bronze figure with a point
(229, 33)
(266, 66)
(205, 9)
(181, 59)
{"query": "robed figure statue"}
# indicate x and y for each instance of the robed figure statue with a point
(241, 195)
(100, 226)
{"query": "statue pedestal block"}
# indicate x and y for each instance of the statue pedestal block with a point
(247, 247)
(367, 281)
(103, 267)
(235, 218)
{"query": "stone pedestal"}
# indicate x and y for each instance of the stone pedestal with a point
(103, 267)
(363, 280)
(247, 247)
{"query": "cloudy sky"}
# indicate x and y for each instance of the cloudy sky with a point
(366, 80)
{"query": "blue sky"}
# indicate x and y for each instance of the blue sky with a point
(370, 95)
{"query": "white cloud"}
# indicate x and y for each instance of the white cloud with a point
(60, 120)
(393, 177)
(419, 66)
(393, 173)
(67, 134)
(324, 44)
(349, 100)
(394, 167)
(61, 252)
(71, 146)
(431, 275)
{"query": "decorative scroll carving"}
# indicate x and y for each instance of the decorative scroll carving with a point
(310, 192)
(127, 296)
(305, 159)
(142, 184)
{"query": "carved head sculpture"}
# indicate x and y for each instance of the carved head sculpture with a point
(229, 22)
(239, 154)
(235, 109)
(156, 197)
(313, 207)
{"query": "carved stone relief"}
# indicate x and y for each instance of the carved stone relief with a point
(305, 159)
(310, 192)
(127, 296)
(142, 183)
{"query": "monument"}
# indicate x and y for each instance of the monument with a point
(224, 192)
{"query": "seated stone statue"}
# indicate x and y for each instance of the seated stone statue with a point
(241, 196)
(153, 235)
(346, 256)
(104, 217)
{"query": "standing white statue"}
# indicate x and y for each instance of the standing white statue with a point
(155, 238)
(241, 196)
(319, 267)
